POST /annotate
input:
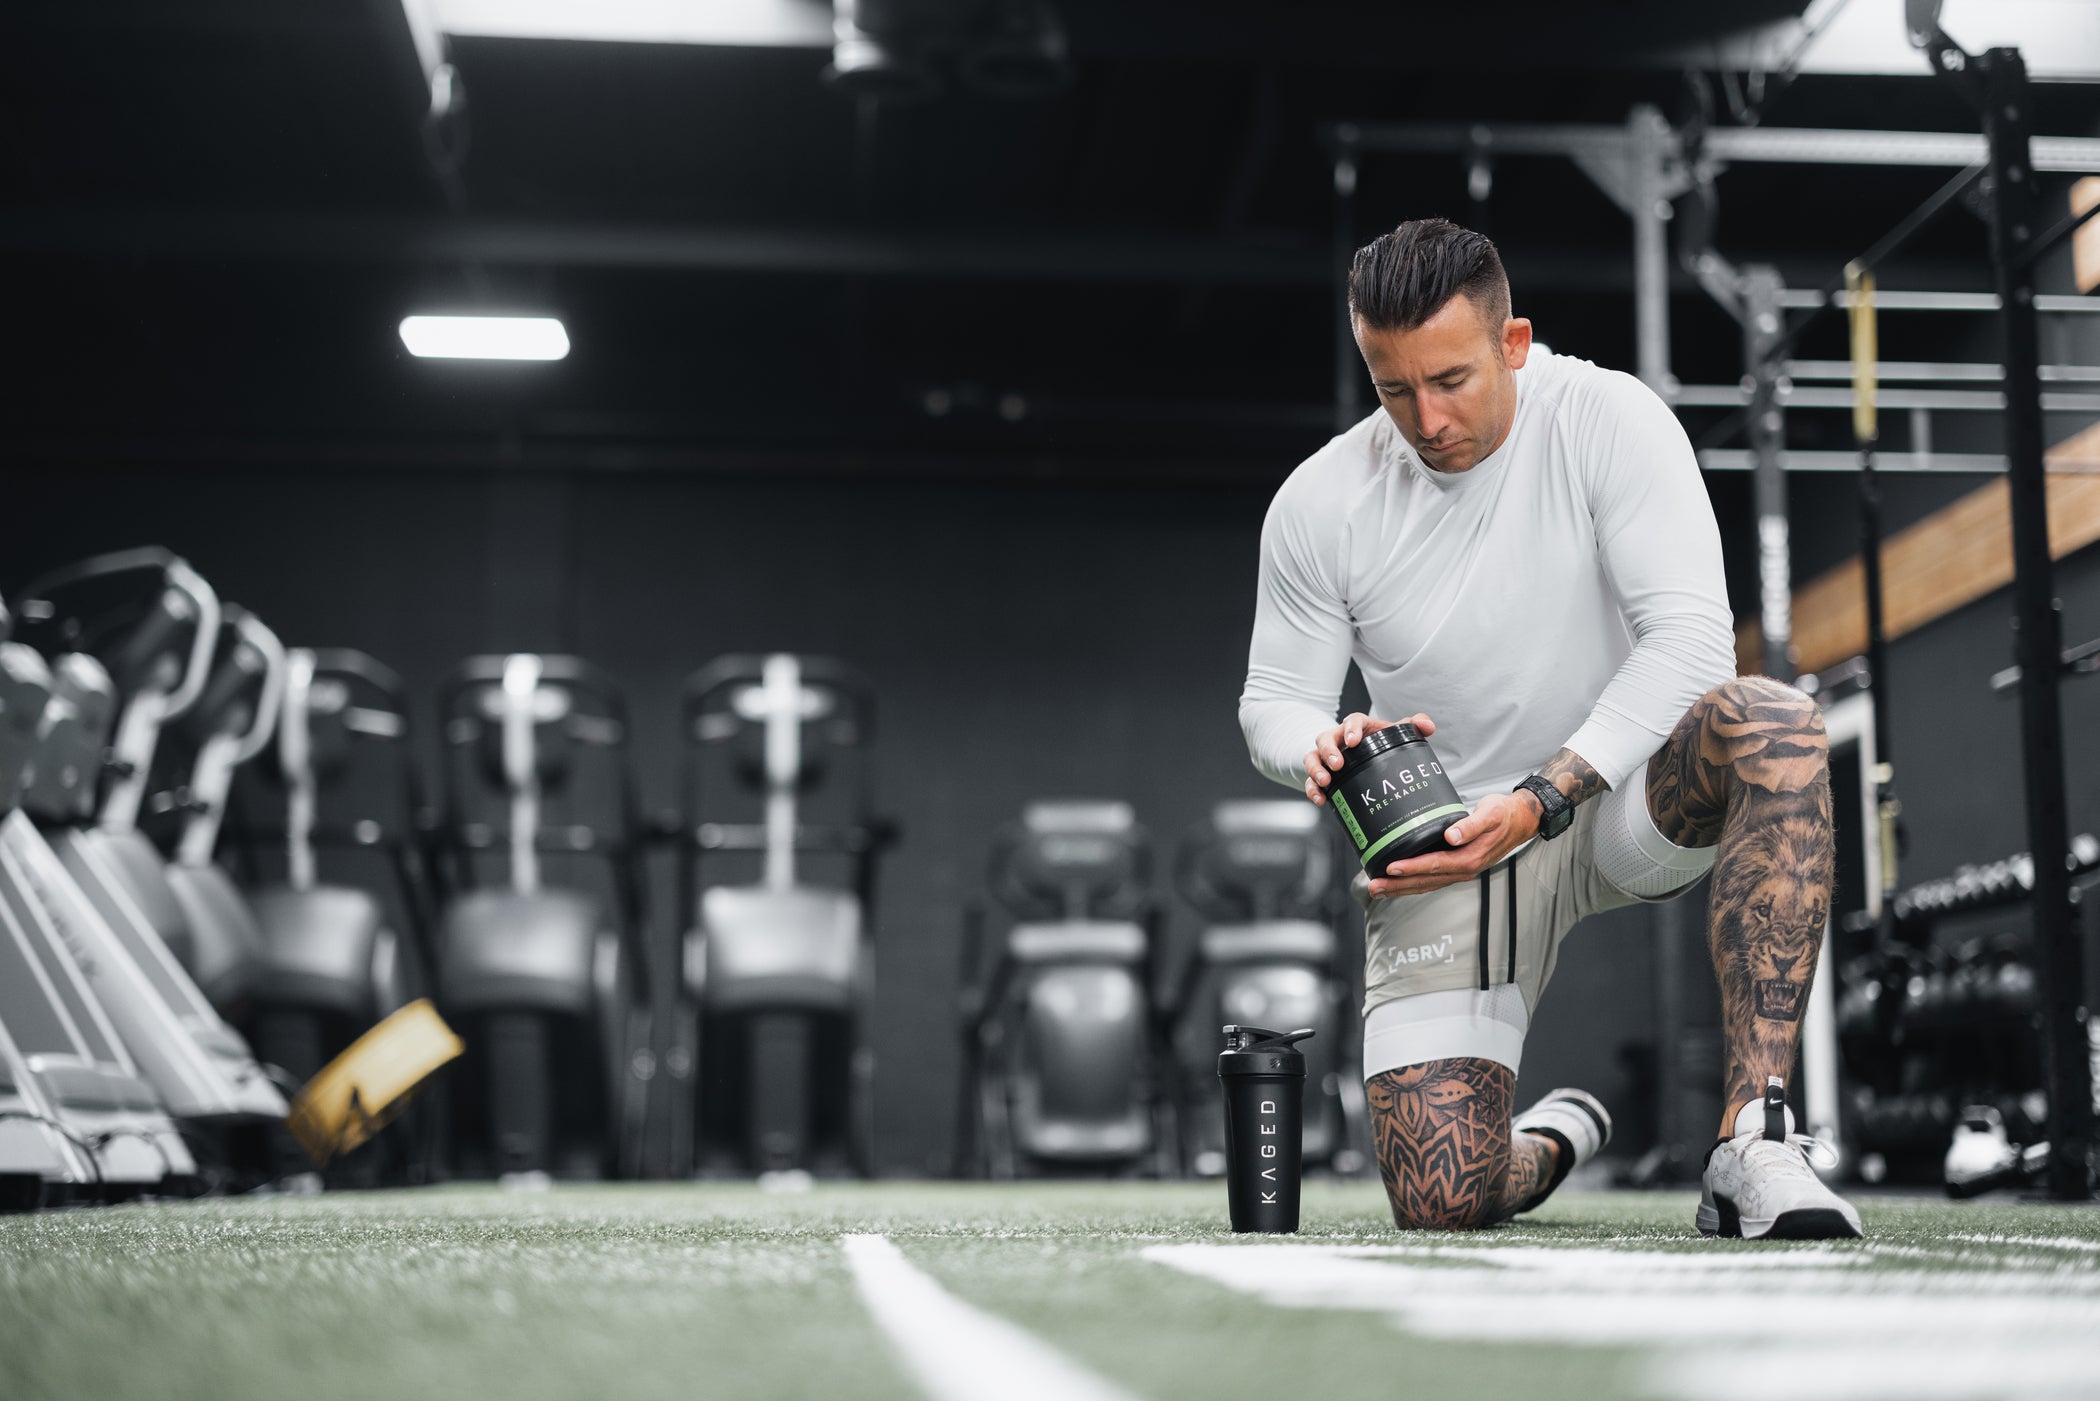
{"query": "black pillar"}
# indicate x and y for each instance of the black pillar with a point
(2037, 632)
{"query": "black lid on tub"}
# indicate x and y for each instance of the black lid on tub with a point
(1378, 742)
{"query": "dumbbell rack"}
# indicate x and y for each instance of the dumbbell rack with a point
(1928, 1025)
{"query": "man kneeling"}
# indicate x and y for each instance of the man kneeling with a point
(1519, 545)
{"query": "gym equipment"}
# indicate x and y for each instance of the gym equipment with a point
(133, 631)
(231, 723)
(76, 1119)
(1063, 1053)
(33, 1150)
(548, 984)
(1939, 1026)
(336, 958)
(779, 974)
(1261, 874)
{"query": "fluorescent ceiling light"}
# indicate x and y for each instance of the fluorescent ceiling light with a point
(766, 23)
(485, 337)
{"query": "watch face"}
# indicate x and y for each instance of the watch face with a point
(1556, 812)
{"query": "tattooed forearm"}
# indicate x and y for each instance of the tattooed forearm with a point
(1747, 769)
(1444, 1145)
(1573, 776)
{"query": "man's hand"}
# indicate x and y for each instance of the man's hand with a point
(1326, 754)
(1499, 825)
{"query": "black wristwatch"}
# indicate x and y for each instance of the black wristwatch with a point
(1555, 811)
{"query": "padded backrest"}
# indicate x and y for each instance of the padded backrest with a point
(578, 721)
(72, 738)
(1073, 860)
(1261, 859)
(25, 689)
(553, 739)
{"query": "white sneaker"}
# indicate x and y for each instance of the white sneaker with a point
(1576, 1122)
(1759, 1185)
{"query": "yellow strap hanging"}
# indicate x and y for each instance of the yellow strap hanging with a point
(1866, 354)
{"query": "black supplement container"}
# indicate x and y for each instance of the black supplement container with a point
(1264, 1078)
(1392, 797)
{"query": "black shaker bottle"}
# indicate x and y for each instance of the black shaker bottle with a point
(1264, 1075)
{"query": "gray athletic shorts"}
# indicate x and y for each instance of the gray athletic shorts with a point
(1457, 972)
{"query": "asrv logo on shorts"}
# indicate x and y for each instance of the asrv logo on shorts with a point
(1442, 951)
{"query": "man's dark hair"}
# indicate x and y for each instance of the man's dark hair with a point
(1401, 279)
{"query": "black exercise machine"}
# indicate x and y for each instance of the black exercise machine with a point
(1064, 1055)
(1261, 875)
(337, 955)
(778, 973)
(133, 634)
(77, 1119)
(547, 983)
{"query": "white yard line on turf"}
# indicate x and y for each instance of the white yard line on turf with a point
(1835, 1324)
(2038, 1242)
(957, 1352)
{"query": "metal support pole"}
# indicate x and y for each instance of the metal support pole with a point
(1650, 144)
(1764, 320)
(1348, 363)
(2037, 641)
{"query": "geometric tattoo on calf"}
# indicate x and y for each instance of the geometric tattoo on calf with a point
(1747, 769)
(1442, 1136)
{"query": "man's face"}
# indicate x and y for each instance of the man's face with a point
(1450, 384)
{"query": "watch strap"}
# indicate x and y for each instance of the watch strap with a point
(1555, 811)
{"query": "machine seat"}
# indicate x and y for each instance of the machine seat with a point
(1078, 1141)
(319, 947)
(1299, 940)
(759, 949)
(504, 950)
(1076, 941)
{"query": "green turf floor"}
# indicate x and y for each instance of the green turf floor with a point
(724, 1291)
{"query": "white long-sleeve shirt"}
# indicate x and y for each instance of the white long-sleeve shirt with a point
(1564, 593)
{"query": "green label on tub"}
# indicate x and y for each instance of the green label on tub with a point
(1404, 828)
(1341, 805)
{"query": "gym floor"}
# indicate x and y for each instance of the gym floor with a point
(637, 1291)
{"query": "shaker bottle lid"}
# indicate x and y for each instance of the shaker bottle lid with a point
(1254, 1050)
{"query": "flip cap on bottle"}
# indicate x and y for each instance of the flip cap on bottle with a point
(1254, 1050)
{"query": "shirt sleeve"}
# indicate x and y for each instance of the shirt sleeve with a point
(1661, 554)
(1299, 655)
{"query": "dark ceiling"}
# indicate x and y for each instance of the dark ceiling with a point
(215, 214)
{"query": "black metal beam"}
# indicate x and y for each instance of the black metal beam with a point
(2037, 621)
(1081, 255)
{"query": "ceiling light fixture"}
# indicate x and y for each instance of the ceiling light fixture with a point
(485, 337)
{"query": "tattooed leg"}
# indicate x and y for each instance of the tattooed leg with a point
(1445, 1148)
(1747, 769)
